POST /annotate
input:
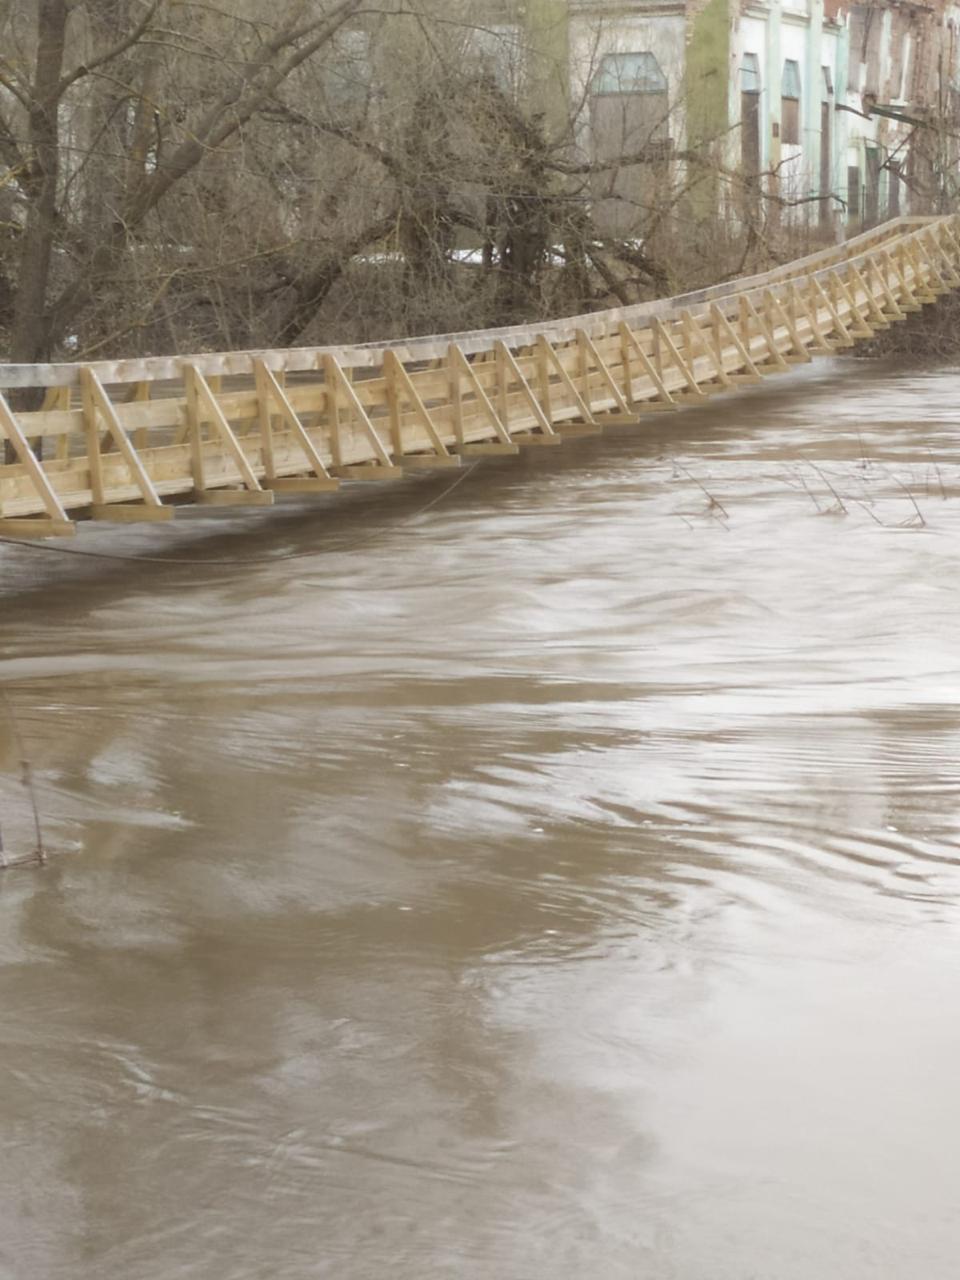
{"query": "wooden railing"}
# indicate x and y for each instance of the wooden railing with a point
(123, 440)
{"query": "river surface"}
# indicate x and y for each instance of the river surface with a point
(558, 881)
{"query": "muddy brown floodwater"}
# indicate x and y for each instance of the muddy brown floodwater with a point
(559, 882)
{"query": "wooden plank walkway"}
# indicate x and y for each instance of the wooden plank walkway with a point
(125, 440)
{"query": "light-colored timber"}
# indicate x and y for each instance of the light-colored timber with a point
(124, 440)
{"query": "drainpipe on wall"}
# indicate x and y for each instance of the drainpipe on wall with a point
(841, 126)
(774, 71)
(812, 109)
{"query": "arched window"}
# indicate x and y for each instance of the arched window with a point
(629, 73)
(790, 103)
(630, 124)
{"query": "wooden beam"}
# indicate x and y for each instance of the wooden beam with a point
(270, 391)
(877, 319)
(207, 401)
(35, 527)
(98, 402)
(549, 356)
(664, 398)
(233, 497)
(27, 458)
(933, 238)
(91, 431)
(506, 357)
(748, 313)
(907, 300)
(798, 350)
(59, 398)
(665, 341)
(695, 336)
(921, 262)
(130, 512)
(400, 382)
(456, 392)
(488, 449)
(879, 272)
(588, 347)
(499, 426)
(801, 301)
(721, 324)
(844, 340)
(335, 377)
(860, 328)
(370, 471)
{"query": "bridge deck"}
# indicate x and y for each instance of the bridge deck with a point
(117, 440)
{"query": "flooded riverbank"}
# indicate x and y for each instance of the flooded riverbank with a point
(560, 881)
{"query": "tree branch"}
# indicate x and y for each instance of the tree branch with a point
(232, 111)
(115, 51)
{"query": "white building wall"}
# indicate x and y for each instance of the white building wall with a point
(663, 35)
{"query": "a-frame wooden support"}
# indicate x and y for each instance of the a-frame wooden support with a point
(798, 353)
(721, 327)
(665, 400)
(694, 336)
(550, 357)
(504, 443)
(837, 327)
(202, 405)
(859, 328)
(623, 412)
(663, 342)
(400, 385)
(802, 306)
(96, 403)
(55, 523)
(749, 314)
(877, 318)
(272, 400)
(932, 240)
(508, 368)
(928, 284)
(878, 273)
(339, 385)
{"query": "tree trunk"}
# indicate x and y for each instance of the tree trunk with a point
(29, 337)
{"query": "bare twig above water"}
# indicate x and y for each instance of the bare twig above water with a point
(936, 471)
(866, 506)
(39, 854)
(840, 504)
(919, 514)
(713, 503)
(802, 481)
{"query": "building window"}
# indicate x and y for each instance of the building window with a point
(893, 204)
(790, 103)
(854, 211)
(750, 73)
(750, 118)
(629, 73)
(630, 126)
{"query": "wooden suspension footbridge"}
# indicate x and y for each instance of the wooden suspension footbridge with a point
(126, 440)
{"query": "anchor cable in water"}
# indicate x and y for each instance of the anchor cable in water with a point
(234, 563)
